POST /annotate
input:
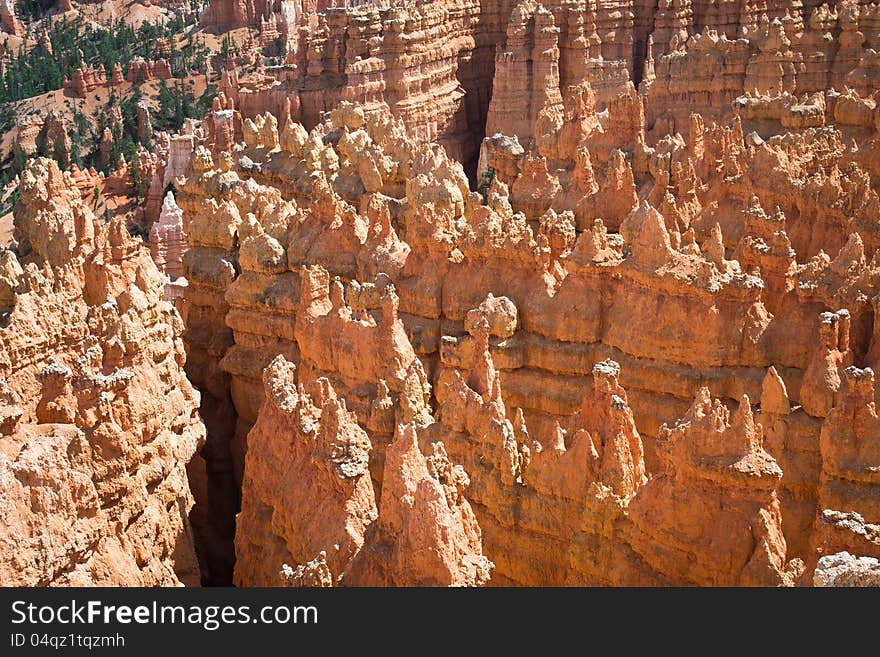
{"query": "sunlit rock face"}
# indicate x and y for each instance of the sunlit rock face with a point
(503, 321)
(474, 293)
(99, 421)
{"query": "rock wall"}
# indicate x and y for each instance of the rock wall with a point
(47, 135)
(430, 64)
(9, 22)
(742, 305)
(490, 205)
(440, 66)
(781, 65)
(168, 242)
(850, 519)
(98, 419)
(561, 292)
(231, 14)
(423, 533)
(141, 70)
(85, 80)
(210, 267)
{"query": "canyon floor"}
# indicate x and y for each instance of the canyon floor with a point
(455, 293)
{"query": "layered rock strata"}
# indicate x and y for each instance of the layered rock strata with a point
(98, 419)
(450, 68)
(741, 301)
(321, 501)
(167, 239)
(429, 64)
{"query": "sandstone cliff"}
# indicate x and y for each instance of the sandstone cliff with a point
(719, 281)
(321, 501)
(557, 291)
(99, 421)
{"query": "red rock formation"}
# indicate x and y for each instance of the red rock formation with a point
(363, 199)
(425, 533)
(141, 70)
(418, 60)
(682, 192)
(9, 22)
(224, 15)
(116, 76)
(27, 134)
(312, 439)
(85, 80)
(178, 159)
(769, 63)
(269, 30)
(168, 240)
(48, 136)
(527, 74)
(713, 517)
(208, 338)
(144, 127)
(105, 148)
(85, 180)
(850, 518)
(99, 421)
(223, 125)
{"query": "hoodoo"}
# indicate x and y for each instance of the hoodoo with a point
(448, 293)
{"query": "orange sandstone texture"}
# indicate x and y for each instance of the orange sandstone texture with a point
(481, 317)
(437, 65)
(98, 420)
(311, 439)
(519, 292)
(423, 533)
(9, 22)
(168, 243)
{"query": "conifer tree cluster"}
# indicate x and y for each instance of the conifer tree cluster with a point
(76, 43)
